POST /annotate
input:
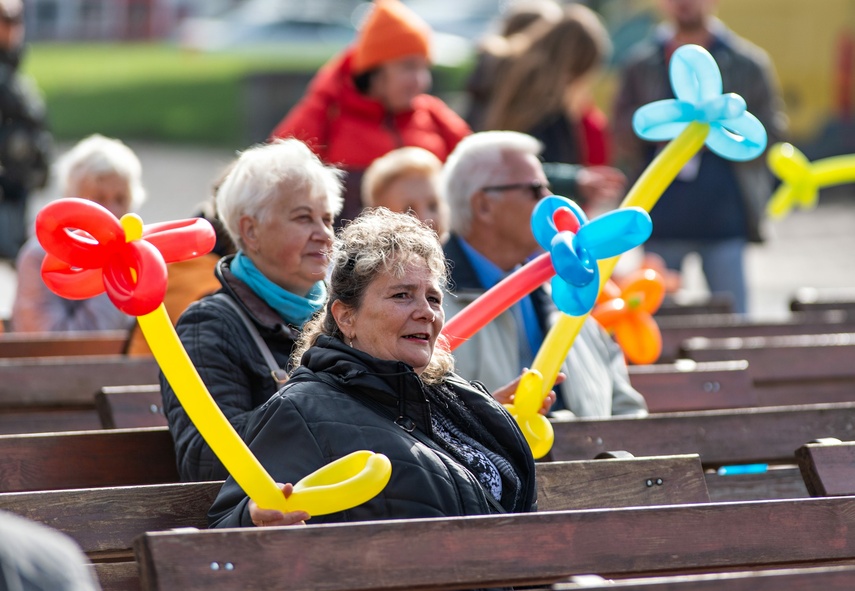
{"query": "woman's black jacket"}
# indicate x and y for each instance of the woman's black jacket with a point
(342, 400)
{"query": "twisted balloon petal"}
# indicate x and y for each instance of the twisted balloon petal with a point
(629, 316)
(525, 410)
(89, 252)
(734, 133)
(801, 179)
(575, 245)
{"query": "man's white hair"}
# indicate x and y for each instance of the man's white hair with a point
(478, 162)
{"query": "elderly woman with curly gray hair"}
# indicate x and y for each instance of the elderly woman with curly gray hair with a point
(373, 374)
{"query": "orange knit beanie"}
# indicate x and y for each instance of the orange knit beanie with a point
(391, 31)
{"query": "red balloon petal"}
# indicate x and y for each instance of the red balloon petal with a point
(565, 220)
(56, 222)
(70, 282)
(139, 292)
(182, 239)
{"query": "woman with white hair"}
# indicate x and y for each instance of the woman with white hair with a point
(277, 203)
(102, 170)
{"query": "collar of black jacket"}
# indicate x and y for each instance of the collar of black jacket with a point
(392, 384)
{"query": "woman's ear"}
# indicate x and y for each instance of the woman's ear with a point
(344, 317)
(249, 232)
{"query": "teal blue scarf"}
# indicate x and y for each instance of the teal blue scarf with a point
(294, 309)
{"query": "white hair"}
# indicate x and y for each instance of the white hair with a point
(477, 162)
(95, 156)
(262, 171)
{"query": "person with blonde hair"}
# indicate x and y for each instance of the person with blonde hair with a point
(103, 170)
(545, 92)
(374, 374)
(277, 203)
(407, 180)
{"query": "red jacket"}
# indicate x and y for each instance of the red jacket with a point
(350, 130)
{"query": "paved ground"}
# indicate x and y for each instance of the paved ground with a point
(813, 248)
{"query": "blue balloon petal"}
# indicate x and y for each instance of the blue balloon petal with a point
(575, 301)
(695, 78)
(615, 232)
(543, 227)
(741, 139)
(573, 264)
(694, 74)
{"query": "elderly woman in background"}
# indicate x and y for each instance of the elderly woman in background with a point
(102, 170)
(371, 377)
(277, 203)
(407, 179)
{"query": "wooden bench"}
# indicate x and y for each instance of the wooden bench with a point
(828, 467)
(690, 385)
(785, 368)
(831, 578)
(39, 394)
(737, 436)
(528, 549)
(678, 328)
(677, 305)
(64, 344)
(126, 407)
(813, 300)
(105, 521)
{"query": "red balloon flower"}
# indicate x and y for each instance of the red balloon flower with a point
(90, 251)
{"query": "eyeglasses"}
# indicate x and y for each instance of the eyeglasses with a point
(538, 189)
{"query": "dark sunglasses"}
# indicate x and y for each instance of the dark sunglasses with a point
(537, 189)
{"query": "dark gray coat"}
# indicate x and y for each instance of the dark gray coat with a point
(343, 400)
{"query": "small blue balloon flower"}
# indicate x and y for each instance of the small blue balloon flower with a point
(575, 245)
(734, 134)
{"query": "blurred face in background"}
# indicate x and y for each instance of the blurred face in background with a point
(416, 191)
(396, 83)
(11, 24)
(688, 15)
(111, 190)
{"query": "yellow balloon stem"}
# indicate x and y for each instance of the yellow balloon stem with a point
(205, 414)
(645, 193)
(666, 166)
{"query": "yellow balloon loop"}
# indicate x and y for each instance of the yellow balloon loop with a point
(525, 409)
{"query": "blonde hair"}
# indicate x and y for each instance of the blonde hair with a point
(392, 166)
(538, 72)
(378, 241)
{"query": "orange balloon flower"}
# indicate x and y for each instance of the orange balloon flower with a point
(628, 315)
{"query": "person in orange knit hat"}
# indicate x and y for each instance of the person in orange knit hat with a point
(371, 99)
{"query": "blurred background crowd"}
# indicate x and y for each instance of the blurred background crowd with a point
(188, 83)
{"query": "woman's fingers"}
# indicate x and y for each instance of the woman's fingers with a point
(271, 517)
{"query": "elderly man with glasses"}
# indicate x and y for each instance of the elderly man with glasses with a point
(492, 181)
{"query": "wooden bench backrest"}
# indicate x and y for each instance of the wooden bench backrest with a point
(828, 467)
(824, 356)
(127, 407)
(83, 459)
(745, 435)
(58, 393)
(53, 344)
(676, 329)
(809, 299)
(539, 548)
(830, 578)
(689, 385)
(145, 456)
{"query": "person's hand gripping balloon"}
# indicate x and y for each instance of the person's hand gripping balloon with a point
(699, 115)
(802, 179)
(89, 252)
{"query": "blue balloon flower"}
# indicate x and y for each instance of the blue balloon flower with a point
(734, 134)
(575, 245)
